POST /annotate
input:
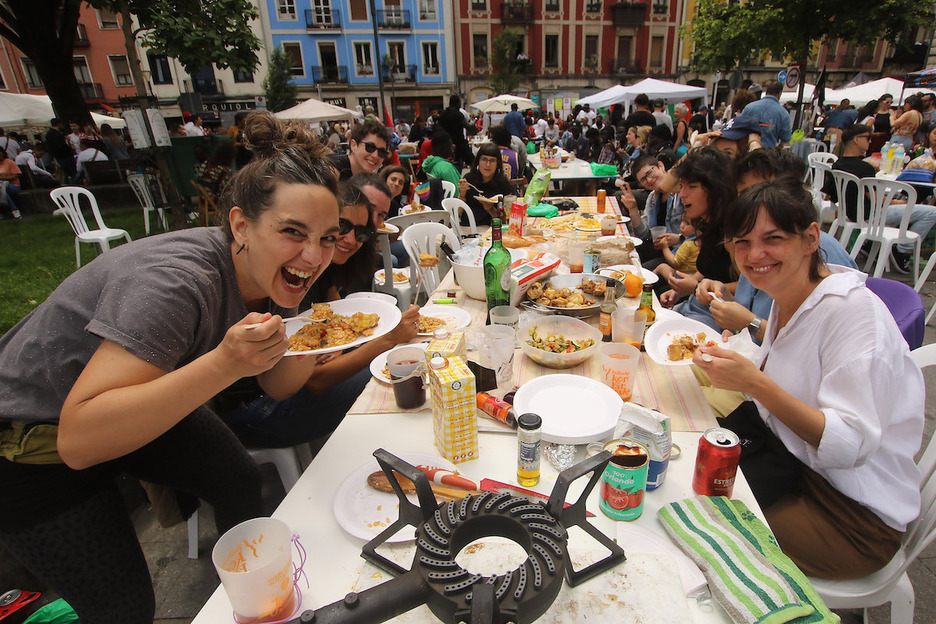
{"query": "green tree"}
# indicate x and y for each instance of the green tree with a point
(278, 88)
(504, 77)
(726, 33)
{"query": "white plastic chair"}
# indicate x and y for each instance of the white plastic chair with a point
(843, 180)
(891, 584)
(454, 207)
(403, 291)
(424, 238)
(68, 200)
(922, 280)
(140, 183)
(881, 194)
(426, 216)
(820, 166)
(449, 189)
(288, 462)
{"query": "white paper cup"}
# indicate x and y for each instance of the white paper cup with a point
(254, 561)
(505, 315)
(619, 367)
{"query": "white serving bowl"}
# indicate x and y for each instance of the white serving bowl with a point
(469, 268)
(568, 327)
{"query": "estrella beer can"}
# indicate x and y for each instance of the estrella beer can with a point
(624, 480)
(716, 463)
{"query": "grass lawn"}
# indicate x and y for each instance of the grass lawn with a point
(39, 252)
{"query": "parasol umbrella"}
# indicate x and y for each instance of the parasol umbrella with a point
(501, 104)
(316, 110)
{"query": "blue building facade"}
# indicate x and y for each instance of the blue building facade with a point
(337, 52)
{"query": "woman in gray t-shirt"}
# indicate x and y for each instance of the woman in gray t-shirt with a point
(109, 375)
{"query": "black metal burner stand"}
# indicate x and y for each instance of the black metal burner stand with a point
(454, 594)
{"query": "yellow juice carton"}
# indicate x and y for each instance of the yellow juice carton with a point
(446, 344)
(454, 411)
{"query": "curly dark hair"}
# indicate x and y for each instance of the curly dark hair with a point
(284, 153)
(713, 170)
(361, 130)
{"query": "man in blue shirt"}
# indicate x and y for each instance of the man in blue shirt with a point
(774, 120)
(514, 121)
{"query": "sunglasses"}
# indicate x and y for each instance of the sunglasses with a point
(362, 233)
(383, 152)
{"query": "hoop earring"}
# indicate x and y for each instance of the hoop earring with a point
(243, 245)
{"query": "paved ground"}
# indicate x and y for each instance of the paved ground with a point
(183, 585)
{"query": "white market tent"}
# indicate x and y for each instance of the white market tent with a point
(791, 96)
(862, 94)
(316, 110)
(672, 92)
(22, 109)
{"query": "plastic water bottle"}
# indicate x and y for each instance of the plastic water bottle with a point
(899, 154)
(888, 153)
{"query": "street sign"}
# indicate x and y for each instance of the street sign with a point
(781, 76)
(793, 78)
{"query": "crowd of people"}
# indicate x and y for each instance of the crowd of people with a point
(159, 329)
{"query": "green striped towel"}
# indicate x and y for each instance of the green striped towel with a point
(747, 573)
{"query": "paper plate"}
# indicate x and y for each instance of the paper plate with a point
(379, 296)
(662, 333)
(364, 512)
(649, 276)
(378, 364)
(388, 228)
(574, 409)
(455, 318)
(389, 318)
(662, 314)
(379, 276)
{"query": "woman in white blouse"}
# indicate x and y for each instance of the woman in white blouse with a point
(834, 382)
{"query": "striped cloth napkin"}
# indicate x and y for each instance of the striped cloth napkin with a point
(746, 571)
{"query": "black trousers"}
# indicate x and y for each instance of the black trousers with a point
(72, 529)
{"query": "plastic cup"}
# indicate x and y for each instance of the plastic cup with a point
(625, 328)
(619, 367)
(608, 226)
(498, 352)
(577, 255)
(656, 231)
(505, 315)
(408, 389)
(254, 561)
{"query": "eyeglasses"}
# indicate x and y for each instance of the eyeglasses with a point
(652, 173)
(383, 152)
(487, 160)
(362, 233)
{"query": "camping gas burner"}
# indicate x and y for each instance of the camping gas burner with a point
(454, 594)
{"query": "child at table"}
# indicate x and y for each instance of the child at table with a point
(685, 257)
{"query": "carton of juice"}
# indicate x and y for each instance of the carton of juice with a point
(454, 412)
(446, 344)
(517, 224)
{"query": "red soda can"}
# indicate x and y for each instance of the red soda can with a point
(716, 463)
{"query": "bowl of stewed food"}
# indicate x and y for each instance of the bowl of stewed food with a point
(558, 341)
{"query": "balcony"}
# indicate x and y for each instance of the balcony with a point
(207, 86)
(397, 19)
(624, 66)
(516, 12)
(593, 6)
(91, 90)
(81, 37)
(319, 19)
(332, 74)
(629, 13)
(402, 73)
(428, 14)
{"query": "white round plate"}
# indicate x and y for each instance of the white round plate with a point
(662, 314)
(388, 228)
(649, 276)
(379, 276)
(409, 209)
(636, 241)
(455, 318)
(623, 219)
(662, 333)
(378, 296)
(390, 316)
(364, 512)
(559, 399)
(378, 364)
(587, 229)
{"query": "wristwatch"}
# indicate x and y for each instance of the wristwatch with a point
(755, 325)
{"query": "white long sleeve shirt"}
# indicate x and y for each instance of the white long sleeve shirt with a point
(28, 159)
(843, 353)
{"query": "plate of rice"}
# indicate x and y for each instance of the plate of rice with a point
(352, 322)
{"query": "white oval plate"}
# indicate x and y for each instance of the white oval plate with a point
(389, 318)
(662, 333)
(588, 229)
(379, 276)
(624, 219)
(455, 318)
(378, 364)
(377, 296)
(388, 228)
(559, 398)
(364, 512)
(662, 314)
(649, 276)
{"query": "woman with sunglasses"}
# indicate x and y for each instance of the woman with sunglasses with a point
(339, 378)
(110, 375)
(485, 180)
(369, 146)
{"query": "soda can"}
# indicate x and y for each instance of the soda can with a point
(591, 261)
(716, 463)
(624, 480)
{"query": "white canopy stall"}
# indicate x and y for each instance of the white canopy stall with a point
(672, 92)
(21, 109)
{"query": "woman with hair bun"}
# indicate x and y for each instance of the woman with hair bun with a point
(110, 374)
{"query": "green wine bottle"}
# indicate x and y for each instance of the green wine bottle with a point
(497, 269)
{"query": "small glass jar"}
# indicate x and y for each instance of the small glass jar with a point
(529, 449)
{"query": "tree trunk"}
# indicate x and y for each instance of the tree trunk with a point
(133, 59)
(58, 75)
